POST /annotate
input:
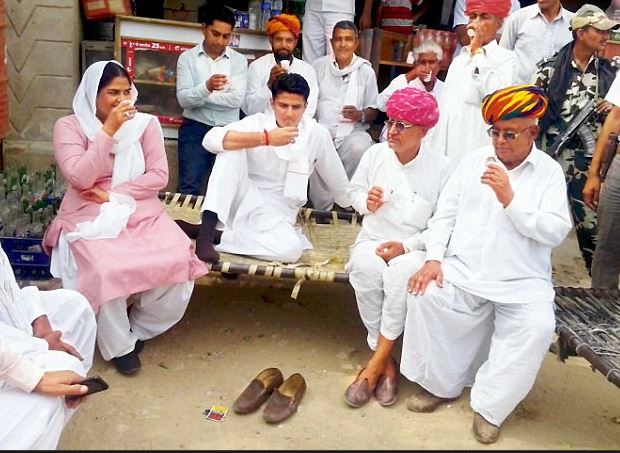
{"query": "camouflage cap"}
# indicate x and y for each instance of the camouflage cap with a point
(594, 16)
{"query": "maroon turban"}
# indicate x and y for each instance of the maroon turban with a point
(499, 8)
(414, 106)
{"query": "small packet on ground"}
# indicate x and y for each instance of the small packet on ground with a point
(216, 413)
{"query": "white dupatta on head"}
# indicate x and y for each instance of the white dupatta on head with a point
(128, 154)
(128, 157)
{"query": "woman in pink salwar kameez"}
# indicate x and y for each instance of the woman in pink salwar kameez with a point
(111, 238)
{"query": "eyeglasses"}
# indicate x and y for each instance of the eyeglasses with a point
(399, 125)
(508, 135)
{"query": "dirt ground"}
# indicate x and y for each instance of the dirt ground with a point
(234, 329)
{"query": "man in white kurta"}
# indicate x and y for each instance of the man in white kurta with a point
(395, 187)
(283, 32)
(422, 76)
(41, 336)
(481, 312)
(347, 104)
(481, 68)
(320, 16)
(260, 178)
(535, 32)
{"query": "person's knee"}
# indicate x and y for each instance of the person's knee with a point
(540, 328)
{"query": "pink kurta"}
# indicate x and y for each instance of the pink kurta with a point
(152, 251)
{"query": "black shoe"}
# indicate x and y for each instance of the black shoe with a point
(127, 364)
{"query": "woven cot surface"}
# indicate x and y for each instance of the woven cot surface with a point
(331, 239)
(592, 317)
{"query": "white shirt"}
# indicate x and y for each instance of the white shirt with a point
(613, 95)
(334, 6)
(258, 94)
(18, 309)
(217, 108)
(268, 171)
(399, 83)
(332, 91)
(410, 193)
(470, 78)
(461, 19)
(532, 38)
(501, 254)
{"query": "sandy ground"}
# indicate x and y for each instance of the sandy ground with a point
(234, 329)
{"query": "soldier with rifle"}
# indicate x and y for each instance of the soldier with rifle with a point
(576, 80)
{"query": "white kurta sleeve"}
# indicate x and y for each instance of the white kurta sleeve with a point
(313, 98)
(330, 168)
(360, 185)
(371, 91)
(509, 33)
(492, 76)
(441, 224)
(548, 223)
(213, 140)
(258, 93)
(15, 369)
(30, 298)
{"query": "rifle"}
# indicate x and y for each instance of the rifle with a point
(608, 155)
(571, 128)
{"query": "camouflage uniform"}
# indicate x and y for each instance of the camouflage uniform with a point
(573, 158)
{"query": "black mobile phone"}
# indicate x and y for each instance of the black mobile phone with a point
(95, 384)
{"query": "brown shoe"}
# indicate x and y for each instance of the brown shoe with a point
(386, 390)
(258, 391)
(484, 432)
(424, 401)
(358, 393)
(285, 399)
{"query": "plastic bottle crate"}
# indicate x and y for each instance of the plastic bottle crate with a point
(27, 258)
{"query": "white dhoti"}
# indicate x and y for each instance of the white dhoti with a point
(153, 313)
(350, 151)
(317, 32)
(34, 421)
(454, 339)
(381, 289)
(255, 224)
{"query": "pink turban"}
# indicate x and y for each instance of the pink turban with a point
(414, 106)
(498, 8)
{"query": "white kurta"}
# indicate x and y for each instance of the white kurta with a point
(493, 320)
(30, 420)
(411, 191)
(470, 78)
(248, 190)
(258, 97)
(354, 85)
(399, 83)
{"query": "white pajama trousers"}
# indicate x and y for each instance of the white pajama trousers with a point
(252, 226)
(350, 151)
(154, 312)
(454, 339)
(317, 32)
(381, 289)
(31, 421)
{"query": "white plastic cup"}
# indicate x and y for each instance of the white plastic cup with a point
(428, 77)
(285, 64)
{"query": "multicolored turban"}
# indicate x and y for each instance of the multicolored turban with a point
(414, 106)
(284, 22)
(498, 8)
(518, 101)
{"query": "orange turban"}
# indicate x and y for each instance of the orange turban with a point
(284, 22)
(518, 101)
(498, 8)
